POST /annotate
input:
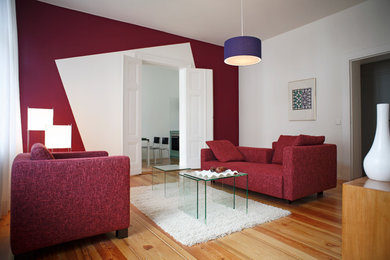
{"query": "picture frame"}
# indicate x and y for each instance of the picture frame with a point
(302, 100)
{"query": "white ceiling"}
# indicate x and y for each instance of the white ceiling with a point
(212, 21)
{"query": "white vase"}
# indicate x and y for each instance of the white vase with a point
(377, 161)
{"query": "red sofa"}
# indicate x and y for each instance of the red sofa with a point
(61, 197)
(292, 169)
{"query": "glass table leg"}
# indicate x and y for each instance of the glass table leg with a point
(247, 194)
(165, 184)
(153, 172)
(234, 192)
(197, 199)
(205, 202)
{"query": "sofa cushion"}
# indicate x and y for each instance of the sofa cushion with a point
(40, 152)
(225, 151)
(283, 141)
(309, 140)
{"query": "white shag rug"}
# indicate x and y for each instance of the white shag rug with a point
(221, 220)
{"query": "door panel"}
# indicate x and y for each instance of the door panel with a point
(132, 113)
(196, 114)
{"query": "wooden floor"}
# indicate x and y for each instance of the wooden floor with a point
(312, 231)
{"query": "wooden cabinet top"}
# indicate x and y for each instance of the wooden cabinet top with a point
(370, 184)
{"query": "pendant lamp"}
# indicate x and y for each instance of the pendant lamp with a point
(242, 50)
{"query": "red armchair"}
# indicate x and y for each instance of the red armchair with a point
(75, 195)
(302, 170)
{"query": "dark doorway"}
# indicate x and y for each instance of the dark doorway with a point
(375, 89)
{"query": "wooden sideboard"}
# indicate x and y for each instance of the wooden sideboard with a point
(366, 219)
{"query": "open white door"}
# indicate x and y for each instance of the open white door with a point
(196, 114)
(132, 113)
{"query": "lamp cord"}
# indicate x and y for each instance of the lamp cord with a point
(242, 20)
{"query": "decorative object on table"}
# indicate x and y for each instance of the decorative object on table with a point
(221, 220)
(38, 119)
(302, 100)
(242, 50)
(213, 174)
(220, 169)
(376, 163)
(58, 136)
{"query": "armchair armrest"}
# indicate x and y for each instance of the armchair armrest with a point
(309, 169)
(68, 155)
(67, 199)
(259, 155)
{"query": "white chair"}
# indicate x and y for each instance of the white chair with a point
(155, 147)
(146, 145)
(164, 146)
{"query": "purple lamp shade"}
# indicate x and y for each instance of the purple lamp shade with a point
(242, 51)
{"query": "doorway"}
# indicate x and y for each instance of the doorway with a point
(195, 110)
(160, 114)
(375, 89)
(370, 79)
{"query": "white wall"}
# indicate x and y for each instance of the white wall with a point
(94, 87)
(323, 50)
(160, 101)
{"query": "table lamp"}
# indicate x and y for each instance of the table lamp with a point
(38, 119)
(58, 136)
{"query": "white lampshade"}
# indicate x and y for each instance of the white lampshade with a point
(39, 118)
(58, 136)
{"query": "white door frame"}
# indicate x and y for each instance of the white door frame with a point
(196, 114)
(354, 116)
(146, 58)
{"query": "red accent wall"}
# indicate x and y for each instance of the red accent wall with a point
(47, 33)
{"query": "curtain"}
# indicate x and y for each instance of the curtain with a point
(10, 121)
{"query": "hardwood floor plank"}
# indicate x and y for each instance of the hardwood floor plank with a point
(124, 247)
(321, 241)
(145, 244)
(212, 250)
(258, 236)
(91, 250)
(5, 252)
(246, 248)
(315, 224)
(323, 209)
(158, 232)
(320, 216)
(283, 241)
(108, 250)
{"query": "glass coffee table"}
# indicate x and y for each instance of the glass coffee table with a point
(193, 208)
(157, 170)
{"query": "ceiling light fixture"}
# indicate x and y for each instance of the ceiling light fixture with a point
(242, 50)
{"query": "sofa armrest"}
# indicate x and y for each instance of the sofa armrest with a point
(54, 201)
(257, 155)
(68, 155)
(309, 169)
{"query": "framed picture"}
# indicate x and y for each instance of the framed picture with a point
(302, 100)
